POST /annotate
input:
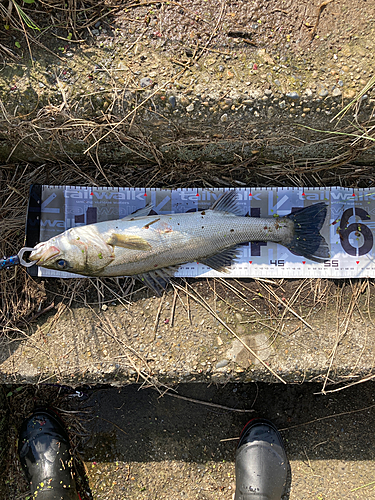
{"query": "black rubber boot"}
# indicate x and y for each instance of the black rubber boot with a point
(261, 462)
(44, 453)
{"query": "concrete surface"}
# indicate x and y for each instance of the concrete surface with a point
(328, 336)
(184, 87)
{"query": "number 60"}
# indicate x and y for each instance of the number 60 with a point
(357, 227)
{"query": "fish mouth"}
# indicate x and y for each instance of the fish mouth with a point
(41, 255)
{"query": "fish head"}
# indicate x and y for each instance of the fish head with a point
(78, 250)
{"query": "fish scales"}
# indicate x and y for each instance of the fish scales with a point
(181, 238)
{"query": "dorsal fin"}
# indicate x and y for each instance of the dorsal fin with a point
(228, 203)
(141, 212)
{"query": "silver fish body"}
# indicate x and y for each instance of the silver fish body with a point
(141, 244)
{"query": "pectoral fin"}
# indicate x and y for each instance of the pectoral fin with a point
(130, 241)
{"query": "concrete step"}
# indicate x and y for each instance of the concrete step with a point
(156, 97)
(205, 330)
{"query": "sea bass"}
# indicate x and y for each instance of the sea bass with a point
(152, 247)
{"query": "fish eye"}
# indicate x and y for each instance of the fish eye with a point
(61, 264)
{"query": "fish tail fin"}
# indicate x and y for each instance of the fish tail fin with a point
(307, 240)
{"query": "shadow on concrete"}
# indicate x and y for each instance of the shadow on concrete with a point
(135, 424)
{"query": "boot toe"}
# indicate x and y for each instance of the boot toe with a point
(45, 457)
(261, 462)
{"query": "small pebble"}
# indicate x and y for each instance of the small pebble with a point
(323, 92)
(222, 363)
(146, 82)
(190, 108)
(184, 101)
(292, 95)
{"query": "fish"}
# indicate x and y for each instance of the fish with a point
(152, 247)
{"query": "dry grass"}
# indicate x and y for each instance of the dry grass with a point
(23, 299)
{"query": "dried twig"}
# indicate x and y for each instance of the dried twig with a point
(239, 294)
(365, 379)
(320, 9)
(327, 417)
(213, 33)
(156, 322)
(285, 304)
(342, 327)
(171, 318)
(207, 403)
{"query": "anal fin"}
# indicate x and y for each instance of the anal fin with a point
(221, 261)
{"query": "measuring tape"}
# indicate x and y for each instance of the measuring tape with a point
(348, 229)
